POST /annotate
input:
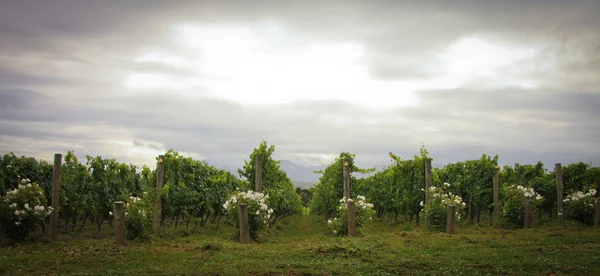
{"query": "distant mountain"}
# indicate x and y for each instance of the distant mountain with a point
(301, 173)
(304, 184)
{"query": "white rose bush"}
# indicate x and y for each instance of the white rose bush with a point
(364, 212)
(436, 210)
(139, 217)
(579, 206)
(23, 210)
(259, 213)
(513, 203)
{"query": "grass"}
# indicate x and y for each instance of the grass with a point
(300, 245)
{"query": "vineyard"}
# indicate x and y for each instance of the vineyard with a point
(183, 205)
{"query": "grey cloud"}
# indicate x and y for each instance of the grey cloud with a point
(18, 98)
(516, 99)
(11, 78)
(549, 124)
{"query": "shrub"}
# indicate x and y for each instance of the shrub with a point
(513, 207)
(139, 217)
(23, 210)
(579, 206)
(259, 212)
(436, 210)
(364, 212)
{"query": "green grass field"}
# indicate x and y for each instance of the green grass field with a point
(300, 245)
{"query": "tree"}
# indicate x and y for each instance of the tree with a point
(330, 188)
(282, 194)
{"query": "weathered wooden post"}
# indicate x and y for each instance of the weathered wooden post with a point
(496, 215)
(528, 219)
(451, 219)
(119, 212)
(427, 179)
(559, 190)
(160, 177)
(351, 218)
(427, 186)
(346, 180)
(597, 220)
(244, 225)
(55, 195)
(258, 174)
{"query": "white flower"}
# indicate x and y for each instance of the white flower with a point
(432, 188)
(21, 186)
(421, 203)
(42, 208)
(22, 212)
(329, 221)
(29, 185)
(14, 205)
(258, 212)
(17, 223)
(126, 213)
(560, 214)
(446, 184)
(110, 213)
(538, 197)
(17, 212)
(26, 206)
(463, 204)
(335, 231)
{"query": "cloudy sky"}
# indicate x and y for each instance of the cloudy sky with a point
(211, 79)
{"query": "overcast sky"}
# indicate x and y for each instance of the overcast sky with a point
(211, 79)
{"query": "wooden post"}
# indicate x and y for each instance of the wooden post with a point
(428, 184)
(258, 166)
(351, 218)
(427, 179)
(451, 219)
(160, 178)
(597, 220)
(496, 216)
(119, 212)
(346, 180)
(55, 196)
(559, 190)
(244, 225)
(528, 220)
